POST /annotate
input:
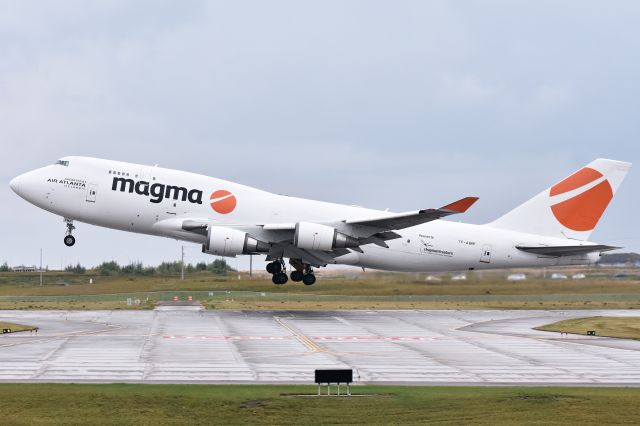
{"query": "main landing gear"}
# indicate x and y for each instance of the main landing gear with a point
(309, 279)
(277, 268)
(302, 272)
(305, 275)
(69, 239)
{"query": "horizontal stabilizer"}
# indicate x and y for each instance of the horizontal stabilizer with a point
(566, 250)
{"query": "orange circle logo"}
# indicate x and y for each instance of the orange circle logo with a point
(582, 211)
(223, 201)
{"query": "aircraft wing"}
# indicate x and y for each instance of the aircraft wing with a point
(368, 226)
(559, 251)
(409, 219)
(280, 236)
(379, 226)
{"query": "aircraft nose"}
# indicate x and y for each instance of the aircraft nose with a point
(29, 187)
(15, 184)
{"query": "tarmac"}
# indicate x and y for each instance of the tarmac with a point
(184, 344)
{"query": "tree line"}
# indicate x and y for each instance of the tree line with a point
(218, 267)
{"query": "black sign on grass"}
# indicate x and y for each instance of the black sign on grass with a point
(333, 376)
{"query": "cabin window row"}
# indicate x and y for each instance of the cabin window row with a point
(113, 172)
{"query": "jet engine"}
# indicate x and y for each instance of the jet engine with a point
(313, 236)
(230, 242)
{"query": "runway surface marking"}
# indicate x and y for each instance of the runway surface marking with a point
(228, 337)
(378, 338)
(403, 347)
(313, 347)
(305, 339)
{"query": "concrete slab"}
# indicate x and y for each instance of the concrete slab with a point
(383, 347)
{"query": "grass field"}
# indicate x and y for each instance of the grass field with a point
(15, 327)
(30, 404)
(621, 327)
(355, 284)
(483, 290)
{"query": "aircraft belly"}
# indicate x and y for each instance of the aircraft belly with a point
(375, 257)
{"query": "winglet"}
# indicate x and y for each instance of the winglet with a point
(460, 206)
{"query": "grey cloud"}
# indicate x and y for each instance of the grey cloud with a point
(384, 104)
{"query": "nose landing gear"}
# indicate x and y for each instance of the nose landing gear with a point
(69, 239)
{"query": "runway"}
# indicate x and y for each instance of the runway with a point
(383, 347)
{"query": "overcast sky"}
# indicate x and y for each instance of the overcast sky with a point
(398, 104)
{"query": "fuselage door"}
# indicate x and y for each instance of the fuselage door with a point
(92, 190)
(486, 254)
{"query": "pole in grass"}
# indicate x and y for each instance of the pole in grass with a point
(182, 264)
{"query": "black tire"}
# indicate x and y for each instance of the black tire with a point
(279, 278)
(277, 267)
(69, 240)
(297, 276)
(309, 279)
(270, 268)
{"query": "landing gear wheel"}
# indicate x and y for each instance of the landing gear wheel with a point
(309, 279)
(279, 278)
(274, 267)
(297, 276)
(69, 240)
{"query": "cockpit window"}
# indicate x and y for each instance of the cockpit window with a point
(63, 163)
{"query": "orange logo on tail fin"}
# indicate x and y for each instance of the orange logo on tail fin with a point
(581, 212)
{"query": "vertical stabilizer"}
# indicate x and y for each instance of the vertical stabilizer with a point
(572, 207)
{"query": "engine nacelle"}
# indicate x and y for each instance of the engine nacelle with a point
(230, 242)
(313, 236)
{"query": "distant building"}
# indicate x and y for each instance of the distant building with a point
(459, 277)
(516, 277)
(23, 268)
(432, 278)
(578, 276)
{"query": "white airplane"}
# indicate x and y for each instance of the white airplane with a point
(231, 219)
